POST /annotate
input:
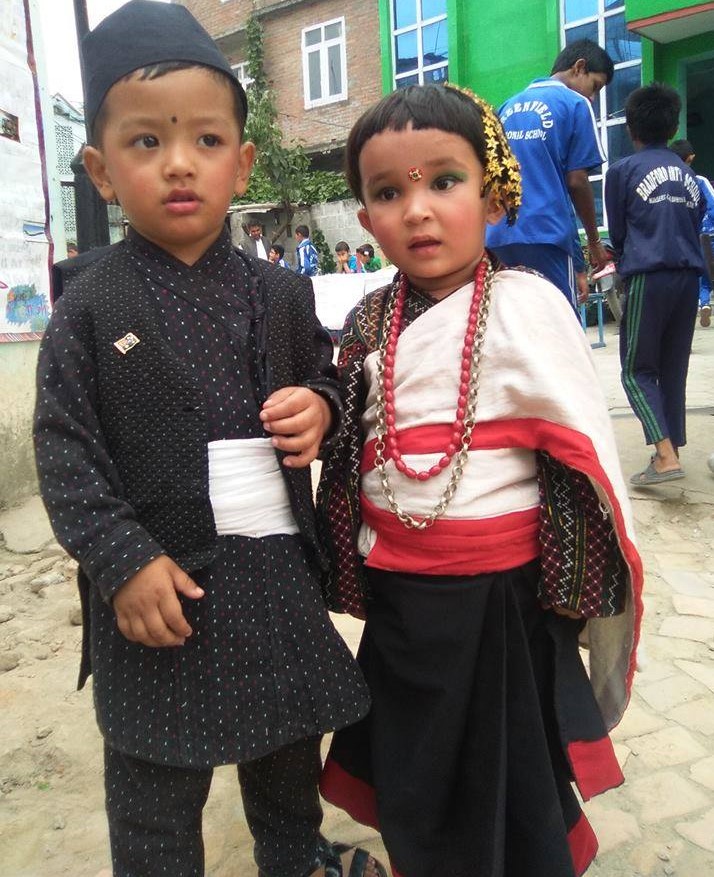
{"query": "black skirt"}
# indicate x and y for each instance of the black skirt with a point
(462, 763)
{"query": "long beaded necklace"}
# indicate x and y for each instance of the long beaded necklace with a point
(456, 453)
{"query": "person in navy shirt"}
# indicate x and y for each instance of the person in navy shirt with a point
(654, 210)
(552, 131)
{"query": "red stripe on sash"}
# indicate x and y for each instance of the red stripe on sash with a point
(571, 447)
(434, 437)
(452, 546)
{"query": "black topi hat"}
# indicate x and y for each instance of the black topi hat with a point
(140, 33)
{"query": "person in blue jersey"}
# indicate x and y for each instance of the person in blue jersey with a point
(305, 253)
(685, 151)
(655, 209)
(552, 131)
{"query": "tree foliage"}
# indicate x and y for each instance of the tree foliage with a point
(281, 173)
(325, 259)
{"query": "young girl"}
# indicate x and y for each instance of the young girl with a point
(476, 515)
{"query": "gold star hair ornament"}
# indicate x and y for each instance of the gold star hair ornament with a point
(502, 173)
(414, 174)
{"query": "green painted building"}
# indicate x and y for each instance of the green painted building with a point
(496, 47)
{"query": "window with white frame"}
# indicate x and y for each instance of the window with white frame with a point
(324, 63)
(420, 42)
(241, 71)
(603, 21)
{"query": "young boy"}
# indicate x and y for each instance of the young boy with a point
(306, 253)
(552, 131)
(654, 210)
(277, 256)
(346, 262)
(183, 390)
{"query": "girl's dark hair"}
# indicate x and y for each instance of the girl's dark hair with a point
(421, 106)
(366, 250)
(652, 113)
(279, 249)
(342, 247)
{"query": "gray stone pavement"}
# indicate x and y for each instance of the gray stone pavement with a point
(661, 822)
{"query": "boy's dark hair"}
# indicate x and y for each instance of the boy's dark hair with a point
(367, 250)
(421, 106)
(154, 71)
(342, 247)
(683, 148)
(279, 249)
(652, 113)
(303, 230)
(596, 59)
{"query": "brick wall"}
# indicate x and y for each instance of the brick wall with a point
(321, 127)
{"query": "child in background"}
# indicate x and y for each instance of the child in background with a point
(476, 516)
(306, 254)
(685, 151)
(367, 260)
(277, 256)
(655, 209)
(183, 390)
(346, 262)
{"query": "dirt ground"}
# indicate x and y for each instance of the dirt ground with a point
(52, 819)
(659, 824)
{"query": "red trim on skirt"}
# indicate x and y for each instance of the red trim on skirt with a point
(583, 845)
(595, 766)
(349, 793)
(357, 798)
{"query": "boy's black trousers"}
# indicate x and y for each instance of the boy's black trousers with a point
(155, 813)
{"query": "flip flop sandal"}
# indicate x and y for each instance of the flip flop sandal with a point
(358, 867)
(651, 476)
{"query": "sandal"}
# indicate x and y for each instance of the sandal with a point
(651, 476)
(358, 867)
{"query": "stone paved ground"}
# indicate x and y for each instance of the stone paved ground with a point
(661, 822)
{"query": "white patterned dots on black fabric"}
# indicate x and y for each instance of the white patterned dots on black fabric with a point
(121, 449)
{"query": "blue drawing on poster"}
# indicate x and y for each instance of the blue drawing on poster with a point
(26, 305)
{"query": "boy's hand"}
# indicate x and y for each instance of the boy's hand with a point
(298, 418)
(147, 608)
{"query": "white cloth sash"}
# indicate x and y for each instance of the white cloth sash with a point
(247, 489)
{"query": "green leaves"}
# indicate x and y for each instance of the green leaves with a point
(281, 173)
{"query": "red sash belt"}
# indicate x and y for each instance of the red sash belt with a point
(450, 546)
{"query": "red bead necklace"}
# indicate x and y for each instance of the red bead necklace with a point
(467, 352)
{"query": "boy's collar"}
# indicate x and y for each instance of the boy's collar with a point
(218, 251)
